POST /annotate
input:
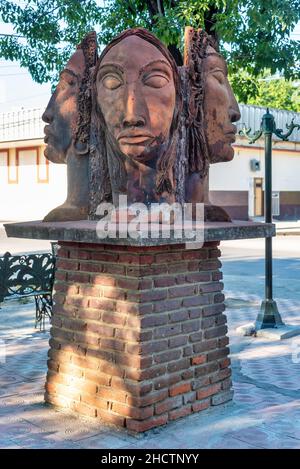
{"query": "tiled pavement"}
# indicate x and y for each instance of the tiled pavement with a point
(265, 412)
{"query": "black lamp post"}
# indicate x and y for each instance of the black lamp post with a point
(269, 316)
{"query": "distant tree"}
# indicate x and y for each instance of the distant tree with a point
(253, 34)
(278, 93)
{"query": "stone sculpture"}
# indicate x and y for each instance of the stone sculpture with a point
(151, 129)
(67, 134)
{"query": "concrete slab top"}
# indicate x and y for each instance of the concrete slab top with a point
(87, 231)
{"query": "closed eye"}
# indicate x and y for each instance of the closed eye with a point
(219, 75)
(156, 80)
(111, 82)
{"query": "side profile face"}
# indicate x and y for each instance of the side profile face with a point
(62, 111)
(220, 108)
(136, 94)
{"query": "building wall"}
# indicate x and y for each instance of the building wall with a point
(30, 186)
(232, 183)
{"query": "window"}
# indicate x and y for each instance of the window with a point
(12, 166)
(42, 166)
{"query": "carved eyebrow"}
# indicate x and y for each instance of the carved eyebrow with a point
(69, 72)
(111, 65)
(158, 62)
(219, 56)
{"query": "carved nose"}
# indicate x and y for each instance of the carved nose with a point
(235, 114)
(134, 112)
(234, 110)
(48, 115)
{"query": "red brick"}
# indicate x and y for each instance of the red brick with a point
(213, 309)
(205, 369)
(169, 380)
(198, 277)
(94, 401)
(91, 267)
(112, 344)
(102, 303)
(197, 300)
(215, 332)
(88, 313)
(111, 418)
(177, 341)
(209, 391)
(224, 363)
(178, 413)
(219, 298)
(180, 315)
(194, 254)
(201, 405)
(104, 256)
(80, 277)
(101, 379)
(102, 280)
(142, 426)
(211, 287)
(147, 295)
(60, 275)
(134, 412)
(168, 404)
(65, 264)
(149, 373)
(223, 341)
(182, 364)
(182, 291)
(167, 331)
(132, 335)
(113, 318)
(214, 253)
(198, 360)
(190, 326)
(217, 276)
(167, 356)
(205, 346)
(179, 389)
(216, 354)
(149, 399)
(79, 254)
(168, 257)
(164, 282)
(167, 305)
(114, 293)
(63, 252)
(220, 375)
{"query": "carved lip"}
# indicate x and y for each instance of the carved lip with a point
(47, 132)
(135, 137)
(231, 133)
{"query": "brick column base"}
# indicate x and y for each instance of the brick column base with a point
(138, 334)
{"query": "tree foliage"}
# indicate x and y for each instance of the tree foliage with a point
(253, 34)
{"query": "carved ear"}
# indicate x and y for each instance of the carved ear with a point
(81, 148)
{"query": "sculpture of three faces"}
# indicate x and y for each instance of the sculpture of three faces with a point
(137, 92)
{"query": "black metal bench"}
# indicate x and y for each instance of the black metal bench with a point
(26, 276)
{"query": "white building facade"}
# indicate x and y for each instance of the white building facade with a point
(30, 186)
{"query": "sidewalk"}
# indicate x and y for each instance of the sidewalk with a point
(287, 228)
(265, 412)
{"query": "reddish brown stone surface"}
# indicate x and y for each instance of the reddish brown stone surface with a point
(138, 335)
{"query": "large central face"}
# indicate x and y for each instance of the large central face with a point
(136, 94)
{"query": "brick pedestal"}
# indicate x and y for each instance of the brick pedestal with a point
(138, 334)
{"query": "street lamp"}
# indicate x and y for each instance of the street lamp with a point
(269, 316)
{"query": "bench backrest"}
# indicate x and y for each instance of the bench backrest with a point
(26, 275)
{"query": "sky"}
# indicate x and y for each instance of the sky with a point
(18, 90)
